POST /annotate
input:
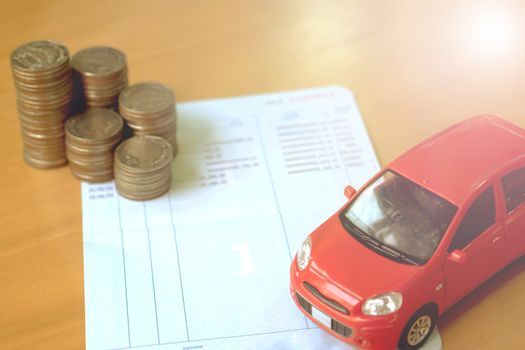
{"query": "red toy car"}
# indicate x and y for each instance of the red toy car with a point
(420, 235)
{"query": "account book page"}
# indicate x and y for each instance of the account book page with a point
(206, 266)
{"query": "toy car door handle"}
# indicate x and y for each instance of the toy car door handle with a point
(496, 239)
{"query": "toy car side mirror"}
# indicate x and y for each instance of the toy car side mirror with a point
(349, 192)
(457, 256)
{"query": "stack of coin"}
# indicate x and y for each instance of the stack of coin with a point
(143, 167)
(91, 138)
(100, 75)
(42, 77)
(149, 109)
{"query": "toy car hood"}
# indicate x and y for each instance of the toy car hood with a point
(338, 259)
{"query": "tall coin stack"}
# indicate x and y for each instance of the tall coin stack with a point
(42, 77)
(149, 109)
(143, 167)
(100, 74)
(91, 138)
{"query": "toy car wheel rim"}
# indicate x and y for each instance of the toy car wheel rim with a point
(419, 330)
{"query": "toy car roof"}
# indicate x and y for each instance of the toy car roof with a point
(457, 160)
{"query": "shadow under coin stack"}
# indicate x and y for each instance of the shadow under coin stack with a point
(143, 167)
(42, 77)
(100, 74)
(149, 109)
(90, 140)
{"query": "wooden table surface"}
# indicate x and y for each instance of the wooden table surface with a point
(415, 67)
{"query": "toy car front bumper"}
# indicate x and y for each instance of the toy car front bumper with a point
(367, 332)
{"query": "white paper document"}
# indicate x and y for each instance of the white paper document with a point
(206, 266)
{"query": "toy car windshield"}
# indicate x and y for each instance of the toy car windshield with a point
(398, 218)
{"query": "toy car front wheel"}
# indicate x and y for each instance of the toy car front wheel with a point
(418, 329)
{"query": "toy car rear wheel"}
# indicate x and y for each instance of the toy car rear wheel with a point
(418, 329)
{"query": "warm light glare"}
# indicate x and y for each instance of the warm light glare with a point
(492, 30)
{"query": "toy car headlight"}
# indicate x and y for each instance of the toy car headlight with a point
(382, 304)
(303, 254)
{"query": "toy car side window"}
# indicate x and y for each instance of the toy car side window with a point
(480, 216)
(514, 188)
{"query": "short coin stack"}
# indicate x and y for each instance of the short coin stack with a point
(42, 77)
(149, 109)
(100, 75)
(91, 138)
(143, 167)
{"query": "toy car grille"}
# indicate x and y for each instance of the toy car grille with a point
(341, 328)
(304, 304)
(336, 326)
(333, 304)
